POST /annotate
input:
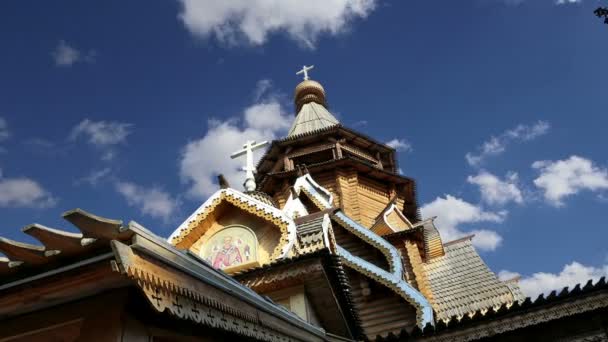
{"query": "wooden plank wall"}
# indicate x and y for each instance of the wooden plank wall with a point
(347, 185)
(380, 310)
(373, 198)
(329, 182)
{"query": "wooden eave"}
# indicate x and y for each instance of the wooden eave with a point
(520, 315)
(412, 233)
(356, 138)
(333, 270)
(361, 166)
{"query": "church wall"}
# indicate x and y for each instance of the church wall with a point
(380, 310)
(412, 254)
(347, 186)
(373, 197)
(328, 181)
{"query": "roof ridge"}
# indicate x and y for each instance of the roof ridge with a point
(462, 239)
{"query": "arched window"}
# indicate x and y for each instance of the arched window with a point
(230, 247)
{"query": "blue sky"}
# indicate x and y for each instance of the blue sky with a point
(129, 109)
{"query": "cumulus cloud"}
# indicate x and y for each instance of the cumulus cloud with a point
(252, 21)
(203, 159)
(23, 192)
(498, 144)
(452, 212)
(544, 282)
(496, 191)
(564, 2)
(65, 55)
(102, 134)
(563, 178)
(4, 132)
(400, 145)
(151, 201)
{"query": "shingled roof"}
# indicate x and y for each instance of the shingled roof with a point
(312, 117)
(310, 234)
(486, 324)
(462, 283)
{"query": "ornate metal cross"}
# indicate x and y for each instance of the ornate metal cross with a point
(249, 168)
(305, 71)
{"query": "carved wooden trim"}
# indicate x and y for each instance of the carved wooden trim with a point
(522, 320)
(187, 298)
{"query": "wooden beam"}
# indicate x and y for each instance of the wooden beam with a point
(55, 241)
(95, 228)
(24, 252)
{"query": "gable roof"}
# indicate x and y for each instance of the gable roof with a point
(247, 203)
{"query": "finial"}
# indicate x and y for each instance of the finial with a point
(305, 71)
(249, 168)
(308, 90)
(222, 181)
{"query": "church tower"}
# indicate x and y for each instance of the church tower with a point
(361, 173)
(329, 228)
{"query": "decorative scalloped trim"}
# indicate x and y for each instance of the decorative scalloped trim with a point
(424, 310)
(320, 196)
(248, 204)
(391, 253)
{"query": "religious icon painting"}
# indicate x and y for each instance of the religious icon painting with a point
(231, 246)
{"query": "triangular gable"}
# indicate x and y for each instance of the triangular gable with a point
(249, 205)
(391, 220)
(320, 196)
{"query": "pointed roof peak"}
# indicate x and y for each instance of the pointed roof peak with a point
(312, 117)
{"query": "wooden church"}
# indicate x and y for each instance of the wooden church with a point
(325, 243)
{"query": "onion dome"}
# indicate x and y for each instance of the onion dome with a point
(262, 197)
(309, 91)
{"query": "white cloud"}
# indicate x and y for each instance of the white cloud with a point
(65, 55)
(203, 159)
(497, 145)
(251, 21)
(400, 145)
(102, 134)
(4, 132)
(151, 201)
(543, 282)
(562, 178)
(452, 212)
(94, 177)
(563, 2)
(496, 191)
(261, 88)
(24, 193)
